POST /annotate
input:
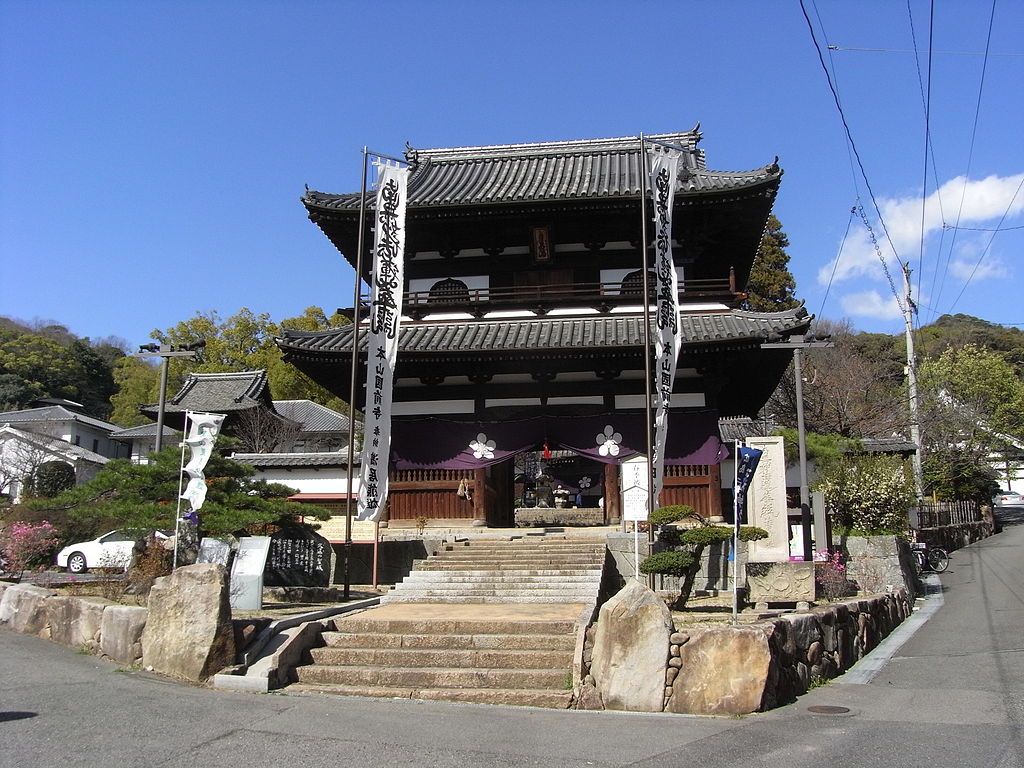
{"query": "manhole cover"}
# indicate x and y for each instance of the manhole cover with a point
(824, 709)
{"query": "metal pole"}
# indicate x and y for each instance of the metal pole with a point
(915, 422)
(735, 534)
(162, 404)
(801, 433)
(353, 382)
(647, 349)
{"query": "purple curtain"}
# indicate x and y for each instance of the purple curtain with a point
(445, 443)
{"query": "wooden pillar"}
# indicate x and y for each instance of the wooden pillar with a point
(714, 490)
(612, 502)
(480, 494)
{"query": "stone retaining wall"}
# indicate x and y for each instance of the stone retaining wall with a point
(954, 537)
(88, 623)
(721, 669)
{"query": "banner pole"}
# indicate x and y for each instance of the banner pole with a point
(648, 417)
(177, 512)
(735, 534)
(353, 382)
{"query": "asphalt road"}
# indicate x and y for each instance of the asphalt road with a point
(951, 695)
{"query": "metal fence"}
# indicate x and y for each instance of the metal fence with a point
(937, 514)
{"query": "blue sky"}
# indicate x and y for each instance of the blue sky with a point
(152, 154)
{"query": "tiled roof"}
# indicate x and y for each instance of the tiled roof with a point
(312, 417)
(53, 445)
(146, 430)
(217, 392)
(293, 460)
(53, 413)
(549, 334)
(740, 428)
(516, 173)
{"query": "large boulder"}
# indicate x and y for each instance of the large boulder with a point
(188, 632)
(724, 671)
(121, 632)
(23, 608)
(631, 650)
(76, 621)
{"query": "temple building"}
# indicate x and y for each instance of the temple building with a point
(520, 374)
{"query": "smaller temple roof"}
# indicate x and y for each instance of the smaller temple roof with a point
(312, 417)
(217, 393)
(143, 431)
(294, 460)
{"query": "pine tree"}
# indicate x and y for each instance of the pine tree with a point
(771, 285)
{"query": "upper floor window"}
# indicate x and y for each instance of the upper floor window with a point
(448, 291)
(633, 282)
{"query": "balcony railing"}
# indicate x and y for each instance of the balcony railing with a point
(541, 299)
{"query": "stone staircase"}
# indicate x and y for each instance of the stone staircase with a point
(487, 621)
(530, 569)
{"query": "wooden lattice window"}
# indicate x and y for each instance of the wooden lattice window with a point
(632, 283)
(448, 291)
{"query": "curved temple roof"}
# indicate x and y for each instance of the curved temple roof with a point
(548, 334)
(550, 171)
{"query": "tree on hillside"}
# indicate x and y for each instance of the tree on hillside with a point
(245, 341)
(970, 396)
(771, 286)
(138, 382)
(956, 331)
(853, 389)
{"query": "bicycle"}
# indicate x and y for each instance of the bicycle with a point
(928, 558)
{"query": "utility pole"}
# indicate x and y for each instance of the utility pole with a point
(909, 308)
(809, 341)
(165, 351)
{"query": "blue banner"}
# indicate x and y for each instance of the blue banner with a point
(747, 459)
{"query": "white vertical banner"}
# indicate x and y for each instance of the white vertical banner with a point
(664, 166)
(382, 341)
(203, 429)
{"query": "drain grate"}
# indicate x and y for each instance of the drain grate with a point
(824, 709)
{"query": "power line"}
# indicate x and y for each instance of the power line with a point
(987, 246)
(900, 50)
(835, 264)
(853, 146)
(970, 160)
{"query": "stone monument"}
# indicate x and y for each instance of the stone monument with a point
(766, 502)
(298, 557)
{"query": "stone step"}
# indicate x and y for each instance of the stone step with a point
(516, 697)
(442, 657)
(554, 597)
(355, 624)
(565, 642)
(523, 549)
(436, 677)
(511, 564)
(498, 577)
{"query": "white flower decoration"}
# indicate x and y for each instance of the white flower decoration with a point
(482, 447)
(585, 482)
(608, 441)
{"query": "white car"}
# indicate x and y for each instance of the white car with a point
(111, 550)
(1008, 499)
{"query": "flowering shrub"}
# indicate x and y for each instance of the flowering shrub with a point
(830, 576)
(28, 545)
(868, 494)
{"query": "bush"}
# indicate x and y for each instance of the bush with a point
(669, 563)
(869, 494)
(670, 514)
(27, 546)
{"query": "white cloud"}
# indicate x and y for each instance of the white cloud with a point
(976, 202)
(971, 269)
(870, 304)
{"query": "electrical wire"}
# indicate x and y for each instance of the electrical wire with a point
(839, 255)
(937, 292)
(987, 246)
(856, 153)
